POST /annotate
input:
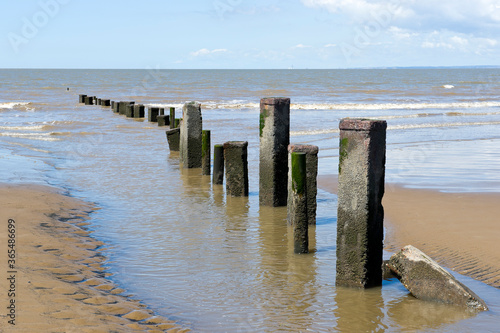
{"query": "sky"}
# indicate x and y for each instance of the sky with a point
(248, 34)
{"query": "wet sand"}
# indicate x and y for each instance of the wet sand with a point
(459, 230)
(60, 283)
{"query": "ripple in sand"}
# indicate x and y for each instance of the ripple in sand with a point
(137, 315)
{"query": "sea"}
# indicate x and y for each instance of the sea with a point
(221, 264)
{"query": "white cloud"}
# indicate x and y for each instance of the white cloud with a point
(450, 14)
(301, 46)
(204, 52)
(330, 45)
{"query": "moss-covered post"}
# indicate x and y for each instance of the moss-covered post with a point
(191, 128)
(360, 216)
(177, 122)
(205, 152)
(173, 139)
(274, 130)
(236, 168)
(218, 173)
(297, 202)
(312, 176)
(153, 114)
(172, 117)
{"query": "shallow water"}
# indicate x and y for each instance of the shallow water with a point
(225, 264)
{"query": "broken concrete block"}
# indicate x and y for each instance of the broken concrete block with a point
(428, 281)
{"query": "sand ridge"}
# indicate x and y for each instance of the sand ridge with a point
(60, 281)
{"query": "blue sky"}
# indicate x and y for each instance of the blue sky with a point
(248, 33)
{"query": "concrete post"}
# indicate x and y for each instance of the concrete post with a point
(360, 214)
(81, 98)
(173, 139)
(236, 168)
(205, 152)
(191, 127)
(274, 140)
(122, 107)
(89, 100)
(153, 114)
(218, 173)
(105, 102)
(139, 111)
(172, 117)
(312, 176)
(129, 110)
(163, 120)
(297, 202)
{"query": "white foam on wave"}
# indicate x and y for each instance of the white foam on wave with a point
(49, 136)
(399, 127)
(448, 86)
(11, 105)
(239, 104)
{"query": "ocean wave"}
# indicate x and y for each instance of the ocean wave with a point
(212, 105)
(33, 136)
(399, 127)
(11, 105)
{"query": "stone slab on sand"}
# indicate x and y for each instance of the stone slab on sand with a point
(428, 281)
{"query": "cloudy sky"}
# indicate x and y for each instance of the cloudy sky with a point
(248, 33)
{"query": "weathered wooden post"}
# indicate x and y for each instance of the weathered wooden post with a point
(205, 152)
(153, 114)
(89, 100)
(172, 117)
(177, 122)
(297, 202)
(81, 98)
(236, 168)
(105, 102)
(99, 101)
(218, 173)
(273, 160)
(173, 138)
(191, 127)
(114, 106)
(139, 111)
(360, 214)
(163, 120)
(312, 176)
(161, 111)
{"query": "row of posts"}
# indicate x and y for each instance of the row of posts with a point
(132, 110)
(288, 177)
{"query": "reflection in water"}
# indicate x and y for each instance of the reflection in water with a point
(359, 310)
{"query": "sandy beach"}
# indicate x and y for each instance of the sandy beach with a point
(57, 281)
(459, 230)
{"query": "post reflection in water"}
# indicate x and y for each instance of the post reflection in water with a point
(287, 278)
